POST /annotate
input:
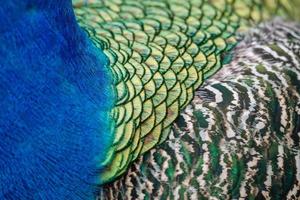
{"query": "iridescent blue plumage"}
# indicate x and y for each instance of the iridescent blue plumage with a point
(54, 103)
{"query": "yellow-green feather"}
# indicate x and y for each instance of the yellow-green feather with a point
(160, 52)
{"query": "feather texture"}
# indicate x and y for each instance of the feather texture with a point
(239, 138)
(55, 101)
(160, 52)
(81, 100)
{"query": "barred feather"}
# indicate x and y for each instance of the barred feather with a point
(160, 52)
(240, 136)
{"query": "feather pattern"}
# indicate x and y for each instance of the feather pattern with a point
(240, 136)
(86, 91)
(160, 52)
(55, 101)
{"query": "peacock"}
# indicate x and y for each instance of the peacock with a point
(149, 99)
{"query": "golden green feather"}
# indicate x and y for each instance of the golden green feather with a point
(160, 52)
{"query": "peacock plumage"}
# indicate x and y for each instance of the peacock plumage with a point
(239, 138)
(89, 88)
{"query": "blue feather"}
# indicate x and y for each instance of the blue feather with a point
(55, 98)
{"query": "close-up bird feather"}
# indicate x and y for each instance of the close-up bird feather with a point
(150, 99)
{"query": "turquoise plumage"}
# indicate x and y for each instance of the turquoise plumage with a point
(88, 88)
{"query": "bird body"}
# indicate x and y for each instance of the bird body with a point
(239, 137)
(77, 109)
(160, 52)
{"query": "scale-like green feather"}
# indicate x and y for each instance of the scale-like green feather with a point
(160, 52)
(241, 131)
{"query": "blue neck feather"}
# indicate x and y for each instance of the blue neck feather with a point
(55, 99)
